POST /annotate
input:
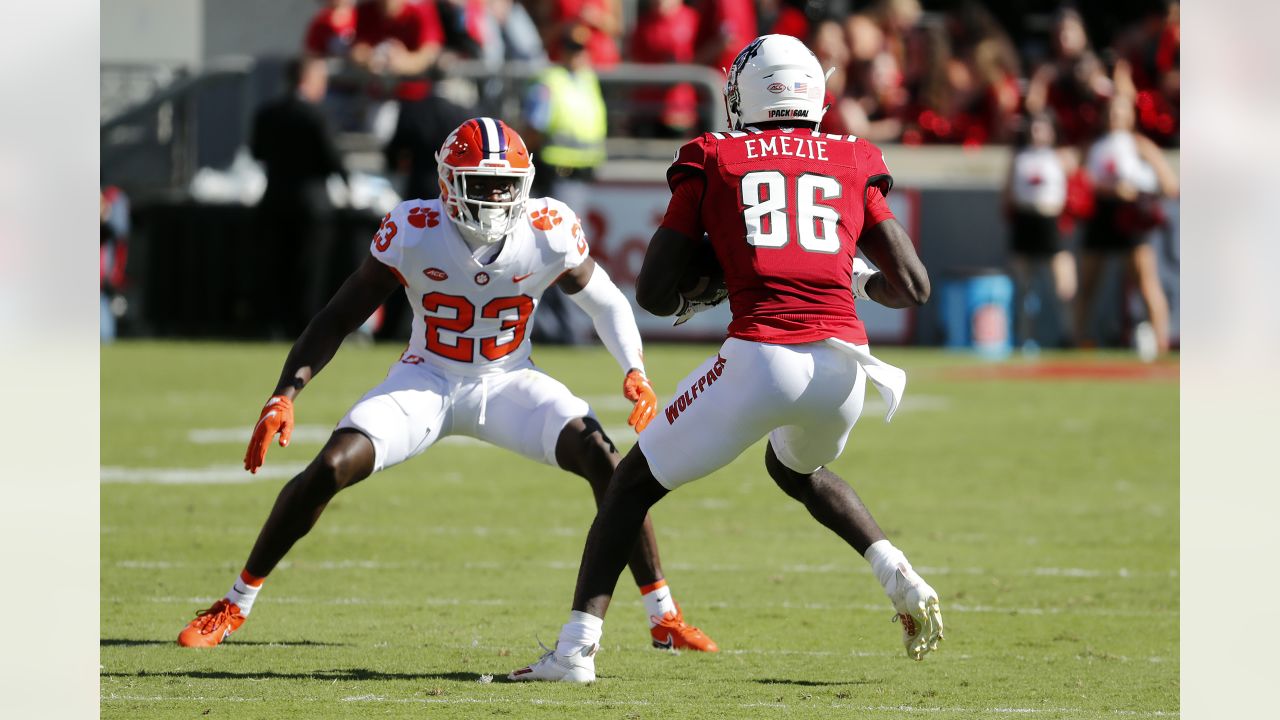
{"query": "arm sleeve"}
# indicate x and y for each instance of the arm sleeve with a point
(877, 209)
(612, 317)
(684, 210)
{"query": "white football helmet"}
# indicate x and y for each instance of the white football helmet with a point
(775, 77)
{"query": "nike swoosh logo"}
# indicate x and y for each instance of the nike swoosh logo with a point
(518, 278)
(670, 643)
(264, 419)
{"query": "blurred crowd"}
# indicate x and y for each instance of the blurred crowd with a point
(910, 71)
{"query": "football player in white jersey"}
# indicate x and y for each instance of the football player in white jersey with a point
(474, 264)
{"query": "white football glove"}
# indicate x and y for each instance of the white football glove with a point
(688, 308)
(862, 273)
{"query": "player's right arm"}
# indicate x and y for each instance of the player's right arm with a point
(354, 302)
(357, 299)
(902, 280)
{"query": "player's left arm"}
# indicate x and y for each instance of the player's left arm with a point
(657, 285)
(672, 250)
(590, 287)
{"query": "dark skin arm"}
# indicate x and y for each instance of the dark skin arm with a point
(902, 281)
(572, 281)
(664, 263)
(354, 302)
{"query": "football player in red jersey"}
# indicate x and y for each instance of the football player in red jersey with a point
(786, 208)
(474, 263)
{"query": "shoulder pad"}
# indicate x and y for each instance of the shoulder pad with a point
(561, 227)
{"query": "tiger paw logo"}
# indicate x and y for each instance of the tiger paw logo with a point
(545, 219)
(421, 217)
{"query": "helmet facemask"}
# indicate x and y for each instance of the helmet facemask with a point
(486, 203)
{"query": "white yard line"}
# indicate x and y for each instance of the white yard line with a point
(226, 474)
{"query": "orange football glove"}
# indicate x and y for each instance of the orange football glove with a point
(639, 390)
(277, 417)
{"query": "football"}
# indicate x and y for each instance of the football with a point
(703, 277)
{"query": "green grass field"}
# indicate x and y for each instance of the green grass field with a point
(1044, 511)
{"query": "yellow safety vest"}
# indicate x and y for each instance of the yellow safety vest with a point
(576, 130)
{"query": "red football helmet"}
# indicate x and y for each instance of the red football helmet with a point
(473, 163)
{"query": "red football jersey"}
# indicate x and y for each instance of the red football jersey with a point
(784, 209)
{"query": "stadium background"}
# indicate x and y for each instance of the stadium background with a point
(1042, 492)
(181, 81)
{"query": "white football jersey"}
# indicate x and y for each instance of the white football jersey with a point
(470, 318)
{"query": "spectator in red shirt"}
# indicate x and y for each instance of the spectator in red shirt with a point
(664, 33)
(398, 37)
(602, 17)
(331, 30)
(724, 28)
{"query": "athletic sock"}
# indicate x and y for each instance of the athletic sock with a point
(244, 591)
(583, 629)
(885, 560)
(657, 601)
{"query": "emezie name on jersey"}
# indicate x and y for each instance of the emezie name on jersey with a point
(800, 147)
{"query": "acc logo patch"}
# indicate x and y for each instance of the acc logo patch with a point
(482, 278)
(776, 88)
(436, 274)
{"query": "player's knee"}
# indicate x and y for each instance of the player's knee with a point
(796, 485)
(599, 457)
(328, 474)
(584, 449)
(339, 465)
(635, 481)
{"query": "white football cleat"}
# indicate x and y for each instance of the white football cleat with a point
(579, 667)
(917, 609)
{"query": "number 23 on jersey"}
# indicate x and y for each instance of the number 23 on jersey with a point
(464, 316)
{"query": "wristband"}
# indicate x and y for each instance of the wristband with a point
(860, 281)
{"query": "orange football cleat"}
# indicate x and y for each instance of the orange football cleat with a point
(212, 626)
(672, 633)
